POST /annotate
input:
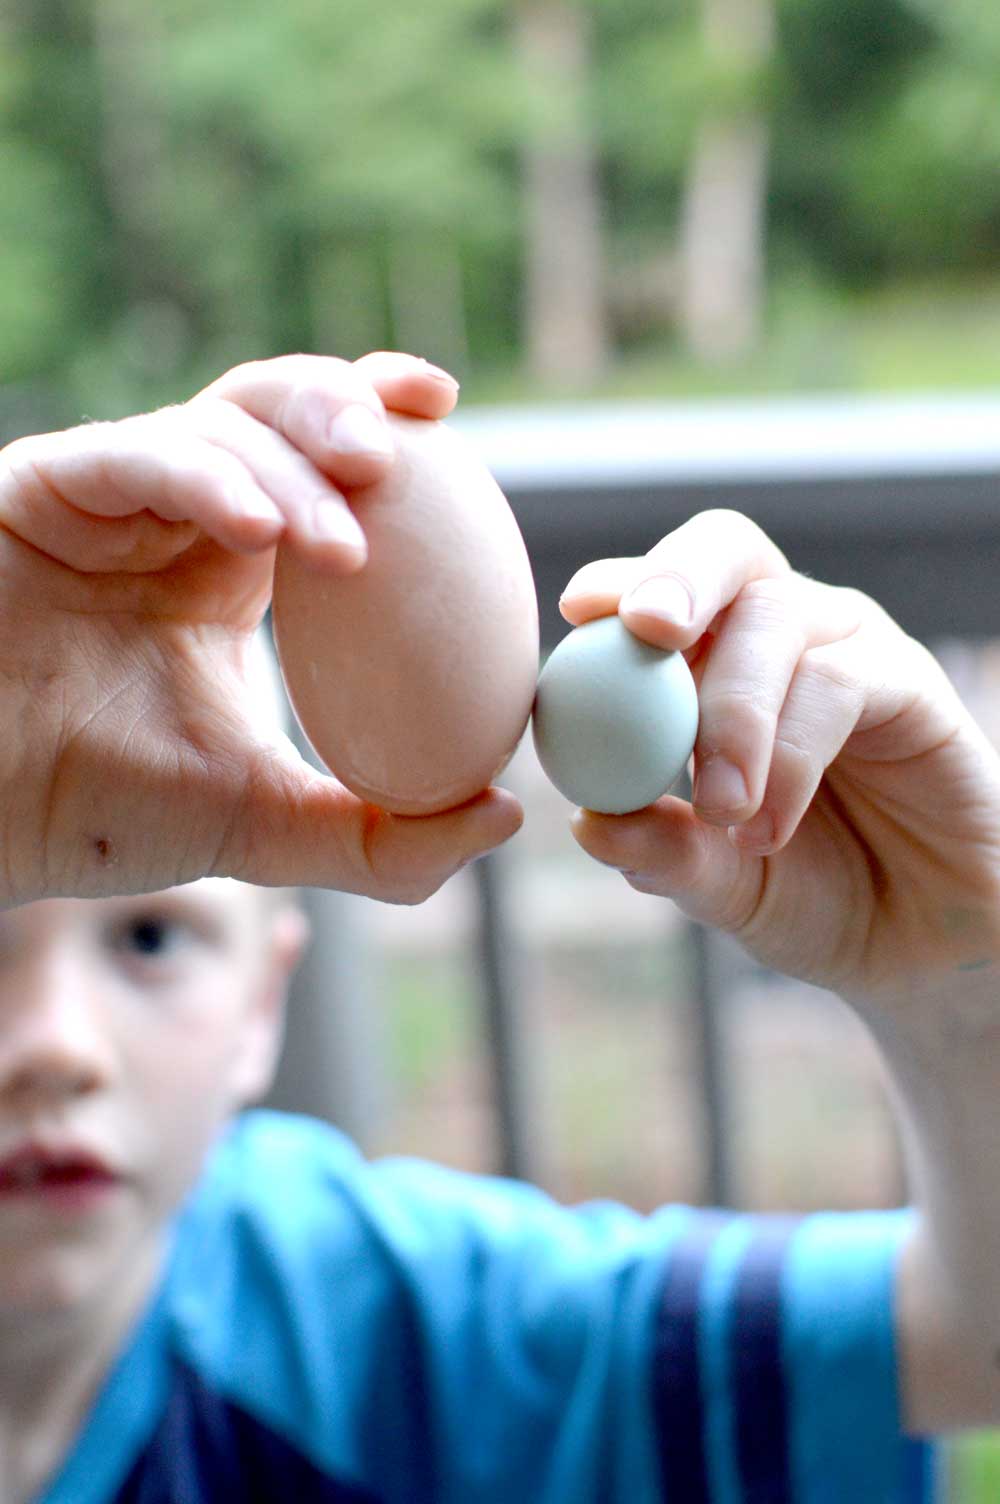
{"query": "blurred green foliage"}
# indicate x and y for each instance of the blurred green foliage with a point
(186, 187)
(974, 1474)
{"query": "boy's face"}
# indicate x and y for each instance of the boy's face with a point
(129, 1029)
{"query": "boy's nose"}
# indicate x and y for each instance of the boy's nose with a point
(51, 1039)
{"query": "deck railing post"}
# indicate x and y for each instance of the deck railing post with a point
(513, 1062)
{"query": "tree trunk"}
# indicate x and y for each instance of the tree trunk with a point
(721, 252)
(347, 300)
(565, 325)
(133, 149)
(427, 300)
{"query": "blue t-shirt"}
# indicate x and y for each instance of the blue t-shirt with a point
(331, 1331)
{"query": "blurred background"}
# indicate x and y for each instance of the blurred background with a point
(626, 197)
(679, 253)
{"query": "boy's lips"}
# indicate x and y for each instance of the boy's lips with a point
(66, 1175)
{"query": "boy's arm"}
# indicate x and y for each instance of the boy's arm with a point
(136, 562)
(846, 828)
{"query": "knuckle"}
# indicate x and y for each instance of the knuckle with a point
(742, 536)
(376, 363)
(740, 531)
(729, 517)
(857, 601)
(313, 374)
(737, 714)
(393, 873)
(770, 602)
(238, 375)
(218, 419)
(832, 676)
(798, 761)
(22, 451)
(209, 478)
(769, 590)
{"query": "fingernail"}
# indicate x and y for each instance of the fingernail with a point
(438, 373)
(337, 524)
(256, 504)
(357, 430)
(663, 597)
(720, 787)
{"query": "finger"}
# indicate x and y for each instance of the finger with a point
(666, 850)
(123, 496)
(408, 384)
(410, 857)
(676, 590)
(596, 589)
(325, 407)
(823, 706)
(790, 916)
(298, 827)
(695, 573)
(315, 513)
(744, 683)
(876, 693)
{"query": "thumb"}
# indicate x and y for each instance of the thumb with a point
(298, 827)
(666, 850)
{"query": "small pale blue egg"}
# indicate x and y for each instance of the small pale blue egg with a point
(615, 719)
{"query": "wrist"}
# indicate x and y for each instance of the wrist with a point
(942, 1016)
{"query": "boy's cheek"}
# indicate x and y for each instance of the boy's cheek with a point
(182, 1096)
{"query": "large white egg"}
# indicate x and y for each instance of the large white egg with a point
(414, 678)
(615, 719)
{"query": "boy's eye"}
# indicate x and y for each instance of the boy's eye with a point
(150, 937)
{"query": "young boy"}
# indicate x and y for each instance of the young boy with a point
(193, 1308)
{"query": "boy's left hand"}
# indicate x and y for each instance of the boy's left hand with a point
(845, 824)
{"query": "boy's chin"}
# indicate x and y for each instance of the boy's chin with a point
(68, 1284)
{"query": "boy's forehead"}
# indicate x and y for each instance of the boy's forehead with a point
(222, 897)
(215, 890)
(217, 887)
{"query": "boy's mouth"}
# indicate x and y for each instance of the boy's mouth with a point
(64, 1176)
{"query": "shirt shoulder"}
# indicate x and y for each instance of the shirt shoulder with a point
(400, 1331)
(307, 1281)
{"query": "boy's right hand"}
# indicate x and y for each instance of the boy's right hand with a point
(136, 561)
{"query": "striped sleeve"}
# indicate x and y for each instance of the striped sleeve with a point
(774, 1376)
